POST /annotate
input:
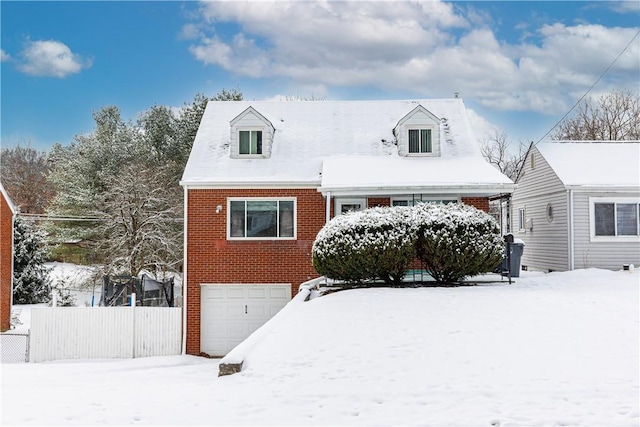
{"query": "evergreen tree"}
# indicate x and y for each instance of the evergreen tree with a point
(31, 284)
(123, 178)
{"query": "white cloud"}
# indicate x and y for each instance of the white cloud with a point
(190, 32)
(427, 48)
(481, 127)
(625, 6)
(50, 58)
(4, 56)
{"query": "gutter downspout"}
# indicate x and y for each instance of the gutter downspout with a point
(571, 233)
(184, 273)
(13, 250)
(328, 208)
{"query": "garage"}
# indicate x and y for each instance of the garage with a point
(229, 313)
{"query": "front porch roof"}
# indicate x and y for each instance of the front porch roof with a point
(389, 175)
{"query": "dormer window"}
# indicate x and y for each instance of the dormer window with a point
(418, 134)
(251, 136)
(420, 141)
(250, 142)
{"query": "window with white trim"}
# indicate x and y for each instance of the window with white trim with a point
(250, 142)
(614, 218)
(522, 219)
(342, 206)
(261, 218)
(420, 141)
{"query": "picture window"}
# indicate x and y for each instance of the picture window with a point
(261, 219)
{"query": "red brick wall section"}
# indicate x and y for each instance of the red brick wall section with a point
(481, 203)
(211, 258)
(6, 245)
(378, 201)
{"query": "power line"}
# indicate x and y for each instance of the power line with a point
(46, 217)
(590, 88)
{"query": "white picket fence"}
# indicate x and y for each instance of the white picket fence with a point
(104, 332)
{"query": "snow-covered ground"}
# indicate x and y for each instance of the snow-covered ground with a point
(551, 350)
(80, 280)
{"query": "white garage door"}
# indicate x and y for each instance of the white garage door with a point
(230, 313)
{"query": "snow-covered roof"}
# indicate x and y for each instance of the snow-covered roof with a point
(4, 193)
(594, 163)
(411, 175)
(335, 144)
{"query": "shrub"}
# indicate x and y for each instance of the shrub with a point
(456, 241)
(31, 284)
(366, 245)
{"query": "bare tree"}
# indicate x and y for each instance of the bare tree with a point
(496, 150)
(25, 173)
(141, 222)
(614, 116)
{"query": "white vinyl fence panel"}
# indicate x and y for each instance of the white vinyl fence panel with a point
(104, 332)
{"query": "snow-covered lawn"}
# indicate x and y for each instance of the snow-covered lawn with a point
(551, 349)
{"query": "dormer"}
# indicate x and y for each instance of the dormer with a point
(251, 136)
(418, 134)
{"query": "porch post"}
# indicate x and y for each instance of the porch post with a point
(328, 208)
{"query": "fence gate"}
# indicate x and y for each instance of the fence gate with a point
(14, 347)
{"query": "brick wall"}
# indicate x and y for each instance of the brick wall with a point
(481, 203)
(378, 201)
(211, 258)
(6, 244)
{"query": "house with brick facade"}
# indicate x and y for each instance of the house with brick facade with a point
(7, 213)
(263, 178)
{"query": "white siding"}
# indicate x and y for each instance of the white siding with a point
(104, 332)
(547, 244)
(607, 255)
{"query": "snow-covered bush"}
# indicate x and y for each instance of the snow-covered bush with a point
(63, 296)
(366, 245)
(455, 241)
(31, 284)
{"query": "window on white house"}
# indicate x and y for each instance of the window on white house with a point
(522, 219)
(613, 218)
(420, 141)
(261, 219)
(250, 142)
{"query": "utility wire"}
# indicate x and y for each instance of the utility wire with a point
(590, 88)
(45, 217)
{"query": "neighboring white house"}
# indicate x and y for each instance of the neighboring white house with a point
(577, 205)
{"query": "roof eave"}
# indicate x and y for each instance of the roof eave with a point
(604, 188)
(248, 185)
(482, 190)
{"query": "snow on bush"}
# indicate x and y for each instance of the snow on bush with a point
(455, 241)
(31, 283)
(366, 245)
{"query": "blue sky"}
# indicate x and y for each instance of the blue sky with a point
(518, 65)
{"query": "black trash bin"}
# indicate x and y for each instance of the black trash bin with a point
(513, 256)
